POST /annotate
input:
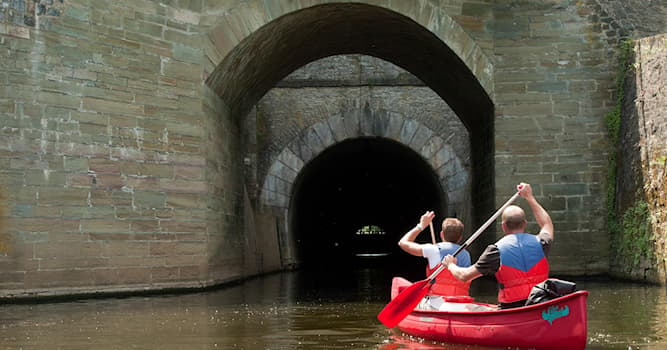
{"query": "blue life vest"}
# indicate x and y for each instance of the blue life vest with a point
(445, 282)
(522, 266)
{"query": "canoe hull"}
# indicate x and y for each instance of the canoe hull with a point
(557, 324)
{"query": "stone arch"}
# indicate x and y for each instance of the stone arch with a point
(454, 178)
(298, 33)
(256, 44)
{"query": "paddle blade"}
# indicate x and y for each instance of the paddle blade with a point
(399, 307)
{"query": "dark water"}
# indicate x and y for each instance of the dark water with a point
(296, 310)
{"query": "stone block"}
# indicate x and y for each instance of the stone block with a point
(58, 99)
(95, 130)
(133, 275)
(75, 164)
(112, 107)
(183, 226)
(301, 150)
(162, 248)
(185, 200)
(572, 189)
(104, 166)
(105, 226)
(183, 186)
(147, 169)
(109, 236)
(55, 278)
(44, 178)
(181, 70)
(109, 181)
(156, 101)
(142, 183)
(45, 225)
(62, 196)
(408, 131)
(193, 273)
(183, 49)
(145, 226)
(422, 135)
(144, 199)
(165, 274)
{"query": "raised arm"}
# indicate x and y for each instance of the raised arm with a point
(407, 242)
(541, 216)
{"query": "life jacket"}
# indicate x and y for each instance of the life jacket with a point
(445, 283)
(522, 266)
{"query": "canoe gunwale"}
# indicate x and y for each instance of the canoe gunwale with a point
(504, 312)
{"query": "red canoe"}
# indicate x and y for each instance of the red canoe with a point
(557, 324)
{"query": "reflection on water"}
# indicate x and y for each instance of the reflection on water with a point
(296, 310)
(627, 315)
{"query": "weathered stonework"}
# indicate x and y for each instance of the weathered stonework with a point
(643, 157)
(122, 124)
(344, 97)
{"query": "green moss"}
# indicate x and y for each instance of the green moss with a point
(636, 236)
(613, 122)
(631, 233)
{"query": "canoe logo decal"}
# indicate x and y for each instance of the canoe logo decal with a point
(554, 312)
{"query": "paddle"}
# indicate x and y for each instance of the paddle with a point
(405, 301)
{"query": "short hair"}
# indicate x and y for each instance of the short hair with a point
(514, 217)
(452, 229)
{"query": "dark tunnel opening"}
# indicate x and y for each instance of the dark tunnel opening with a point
(270, 53)
(375, 185)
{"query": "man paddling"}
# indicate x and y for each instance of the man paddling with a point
(451, 233)
(518, 260)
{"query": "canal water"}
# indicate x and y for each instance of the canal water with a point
(297, 310)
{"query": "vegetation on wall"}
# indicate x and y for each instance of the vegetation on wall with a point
(635, 233)
(613, 121)
(631, 232)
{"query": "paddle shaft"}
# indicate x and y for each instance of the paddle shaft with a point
(476, 234)
(430, 224)
(399, 307)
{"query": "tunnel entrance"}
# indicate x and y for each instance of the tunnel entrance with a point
(352, 203)
(316, 218)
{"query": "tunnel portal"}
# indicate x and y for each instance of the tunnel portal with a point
(355, 200)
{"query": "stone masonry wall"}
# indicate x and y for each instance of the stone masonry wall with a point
(554, 79)
(310, 95)
(103, 152)
(317, 96)
(651, 106)
(120, 170)
(642, 159)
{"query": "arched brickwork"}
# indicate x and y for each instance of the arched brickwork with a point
(126, 152)
(255, 45)
(454, 177)
(259, 43)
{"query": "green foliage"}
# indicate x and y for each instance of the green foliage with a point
(613, 122)
(371, 230)
(636, 232)
(613, 119)
(631, 233)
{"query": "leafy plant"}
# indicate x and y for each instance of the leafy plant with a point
(636, 232)
(371, 230)
(631, 234)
